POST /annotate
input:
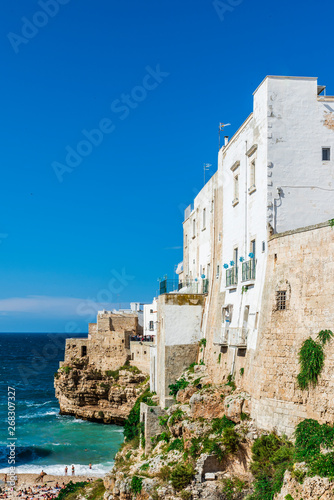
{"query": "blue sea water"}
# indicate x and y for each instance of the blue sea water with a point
(45, 439)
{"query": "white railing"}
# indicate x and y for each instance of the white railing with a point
(234, 337)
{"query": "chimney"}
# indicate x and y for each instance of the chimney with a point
(225, 140)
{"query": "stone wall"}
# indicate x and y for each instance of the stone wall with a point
(149, 415)
(300, 262)
(108, 344)
(179, 331)
(140, 355)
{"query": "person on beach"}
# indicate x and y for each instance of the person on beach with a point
(66, 469)
(90, 465)
(73, 470)
(5, 479)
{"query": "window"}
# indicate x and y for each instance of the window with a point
(236, 190)
(186, 240)
(194, 228)
(83, 350)
(326, 154)
(235, 256)
(263, 246)
(253, 248)
(217, 274)
(252, 176)
(204, 218)
(151, 326)
(281, 300)
(151, 311)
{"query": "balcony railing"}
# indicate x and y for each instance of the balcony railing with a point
(233, 337)
(248, 270)
(185, 286)
(232, 276)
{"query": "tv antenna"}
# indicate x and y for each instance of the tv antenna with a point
(206, 166)
(221, 128)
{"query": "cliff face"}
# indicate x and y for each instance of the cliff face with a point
(91, 394)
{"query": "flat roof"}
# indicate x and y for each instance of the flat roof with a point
(278, 77)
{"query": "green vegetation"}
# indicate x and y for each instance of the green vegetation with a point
(232, 487)
(202, 342)
(311, 437)
(230, 382)
(136, 484)
(182, 475)
(219, 424)
(115, 373)
(182, 383)
(105, 386)
(244, 416)
(57, 375)
(271, 457)
(197, 381)
(230, 440)
(219, 357)
(191, 368)
(311, 359)
(131, 424)
(325, 336)
(163, 420)
(145, 466)
(176, 416)
(66, 369)
(177, 444)
(90, 491)
(242, 371)
(331, 222)
(70, 489)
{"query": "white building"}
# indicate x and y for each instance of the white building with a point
(275, 174)
(150, 319)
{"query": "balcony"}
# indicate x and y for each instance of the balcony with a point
(231, 277)
(231, 337)
(248, 270)
(185, 286)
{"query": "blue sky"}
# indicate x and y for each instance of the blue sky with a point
(114, 224)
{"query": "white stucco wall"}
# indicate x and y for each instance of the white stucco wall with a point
(182, 324)
(150, 316)
(300, 124)
(198, 248)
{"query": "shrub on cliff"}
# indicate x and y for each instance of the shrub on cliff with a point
(311, 439)
(182, 475)
(179, 384)
(132, 423)
(271, 457)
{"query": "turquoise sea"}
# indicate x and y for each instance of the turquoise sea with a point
(45, 439)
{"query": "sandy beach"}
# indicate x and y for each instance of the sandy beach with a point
(39, 490)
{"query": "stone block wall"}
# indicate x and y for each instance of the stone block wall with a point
(301, 263)
(140, 355)
(149, 415)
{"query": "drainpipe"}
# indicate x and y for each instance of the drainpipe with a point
(246, 199)
(233, 362)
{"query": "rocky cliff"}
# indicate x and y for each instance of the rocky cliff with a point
(207, 446)
(90, 394)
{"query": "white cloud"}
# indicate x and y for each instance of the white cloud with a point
(54, 307)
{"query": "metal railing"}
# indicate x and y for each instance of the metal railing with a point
(232, 276)
(248, 270)
(185, 286)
